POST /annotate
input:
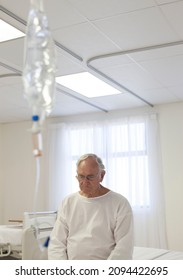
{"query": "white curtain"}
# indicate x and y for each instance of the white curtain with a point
(131, 153)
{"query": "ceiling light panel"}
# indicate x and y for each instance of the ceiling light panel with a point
(87, 85)
(9, 32)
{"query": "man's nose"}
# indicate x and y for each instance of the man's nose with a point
(85, 180)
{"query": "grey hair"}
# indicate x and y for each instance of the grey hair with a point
(98, 160)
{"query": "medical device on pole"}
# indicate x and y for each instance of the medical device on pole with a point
(39, 70)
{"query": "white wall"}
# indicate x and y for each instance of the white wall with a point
(171, 133)
(1, 173)
(19, 172)
(19, 169)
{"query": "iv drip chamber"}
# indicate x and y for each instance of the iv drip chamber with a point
(39, 62)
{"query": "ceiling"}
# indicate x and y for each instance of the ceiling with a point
(135, 45)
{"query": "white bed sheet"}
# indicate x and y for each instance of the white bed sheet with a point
(172, 255)
(11, 234)
(144, 253)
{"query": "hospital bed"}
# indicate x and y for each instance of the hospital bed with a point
(11, 236)
(30, 240)
(35, 238)
(140, 253)
(10, 240)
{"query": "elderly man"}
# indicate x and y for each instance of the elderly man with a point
(95, 223)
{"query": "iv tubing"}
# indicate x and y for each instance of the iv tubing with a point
(37, 183)
(35, 202)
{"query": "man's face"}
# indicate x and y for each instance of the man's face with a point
(89, 176)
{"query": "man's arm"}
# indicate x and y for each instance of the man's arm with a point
(57, 249)
(124, 236)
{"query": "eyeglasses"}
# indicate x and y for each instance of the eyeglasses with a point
(88, 177)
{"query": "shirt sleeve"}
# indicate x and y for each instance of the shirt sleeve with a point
(123, 234)
(57, 249)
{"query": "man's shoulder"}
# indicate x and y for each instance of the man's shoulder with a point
(119, 198)
(71, 196)
(117, 195)
(68, 200)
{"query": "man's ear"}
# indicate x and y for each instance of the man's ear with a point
(102, 175)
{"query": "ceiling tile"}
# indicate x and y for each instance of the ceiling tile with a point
(104, 8)
(110, 60)
(10, 81)
(84, 40)
(120, 101)
(64, 14)
(55, 10)
(173, 13)
(70, 106)
(66, 65)
(155, 54)
(160, 2)
(14, 6)
(158, 95)
(138, 29)
(132, 76)
(12, 51)
(177, 91)
(168, 70)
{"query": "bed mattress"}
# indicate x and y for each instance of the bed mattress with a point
(144, 253)
(10, 234)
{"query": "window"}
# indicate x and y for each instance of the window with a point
(126, 159)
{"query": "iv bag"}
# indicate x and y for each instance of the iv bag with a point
(39, 62)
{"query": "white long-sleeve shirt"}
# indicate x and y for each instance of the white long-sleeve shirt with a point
(97, 228)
